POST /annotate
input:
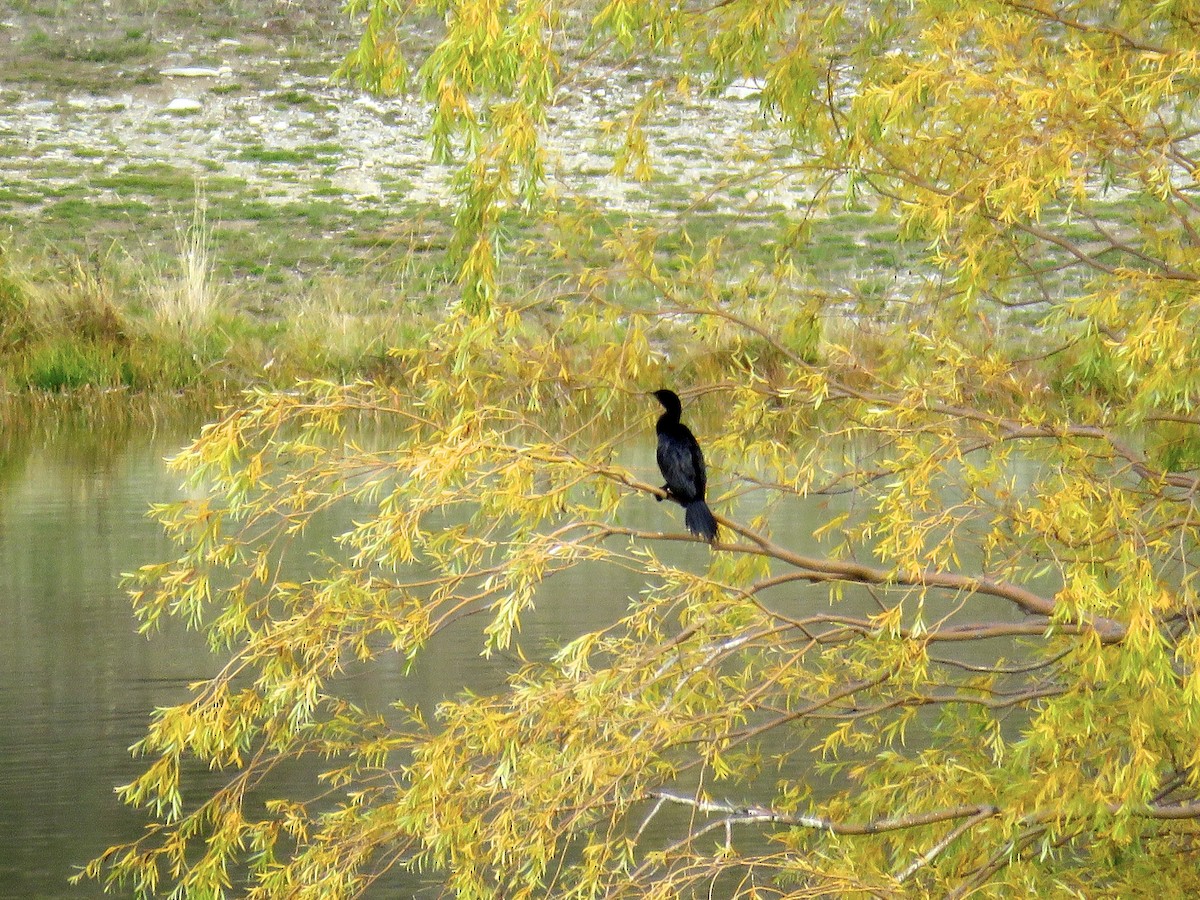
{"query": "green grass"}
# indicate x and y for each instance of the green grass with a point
(157, 180)
(98, 324)
(69, 365)
(296, 155)
(132, 44)
(37, 41)
(95, 59)
(78, 210)
(262, 154)
(325, 189)
(18, 195)
(297, 99)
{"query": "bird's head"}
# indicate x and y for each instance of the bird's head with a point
(669, 400)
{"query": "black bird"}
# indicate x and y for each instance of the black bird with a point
(682, 464)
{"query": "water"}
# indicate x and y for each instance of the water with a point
(78, 683)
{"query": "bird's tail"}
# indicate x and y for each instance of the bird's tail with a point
(699, 520)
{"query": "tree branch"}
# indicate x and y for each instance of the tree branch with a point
(818, 569)
(739, 815)
(937, 849)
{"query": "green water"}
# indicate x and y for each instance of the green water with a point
(79, 683)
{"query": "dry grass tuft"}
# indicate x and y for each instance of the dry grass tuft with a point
(188, 300)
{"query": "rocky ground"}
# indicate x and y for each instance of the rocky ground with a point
(114, 114)
(325, 219)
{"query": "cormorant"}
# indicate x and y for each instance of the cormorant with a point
(682, 464)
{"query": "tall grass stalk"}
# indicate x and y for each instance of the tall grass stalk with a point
(188, 299)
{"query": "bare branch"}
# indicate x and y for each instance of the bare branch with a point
(937, 849)
(752, 814)
(819, 569)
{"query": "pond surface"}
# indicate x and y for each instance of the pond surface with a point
(78, 683)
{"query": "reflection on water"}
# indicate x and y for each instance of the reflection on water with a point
(79, 683)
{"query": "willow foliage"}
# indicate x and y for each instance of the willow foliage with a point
(947, 643)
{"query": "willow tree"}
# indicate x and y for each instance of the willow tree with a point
(977, 675)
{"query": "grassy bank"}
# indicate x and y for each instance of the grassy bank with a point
(116, 322)
(287, 226)
(284, 225)
(189, 314)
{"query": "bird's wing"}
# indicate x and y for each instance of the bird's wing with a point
(697, 462)
(676, 459)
